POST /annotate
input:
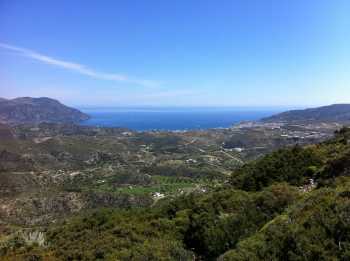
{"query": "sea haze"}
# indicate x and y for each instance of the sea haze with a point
(142, 119)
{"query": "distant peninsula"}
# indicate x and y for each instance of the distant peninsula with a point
(331, 113)
(37, 110)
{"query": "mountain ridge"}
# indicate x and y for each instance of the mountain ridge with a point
(330, 113)
(37, 110)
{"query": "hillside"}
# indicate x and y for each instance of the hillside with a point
(36, 110)
(292, 204)
(331, 113)
(5, 132)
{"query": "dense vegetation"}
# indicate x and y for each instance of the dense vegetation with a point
(200, 224)
(292, 165)
(316, 228)
(269, 210)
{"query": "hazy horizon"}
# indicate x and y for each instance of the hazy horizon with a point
(174, 106)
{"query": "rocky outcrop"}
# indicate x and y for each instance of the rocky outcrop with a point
(39, 209)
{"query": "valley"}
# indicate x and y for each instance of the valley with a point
(201, 190)
(50, 170)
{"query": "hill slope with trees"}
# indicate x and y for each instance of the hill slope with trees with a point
(293, 204)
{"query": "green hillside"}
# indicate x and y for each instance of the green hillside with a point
(293, 204)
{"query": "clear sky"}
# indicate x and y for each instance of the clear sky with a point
(183, 52)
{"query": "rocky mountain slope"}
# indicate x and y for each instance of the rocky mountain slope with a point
(331, 113)
(37, 110)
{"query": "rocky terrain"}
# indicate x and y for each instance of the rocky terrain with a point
(36, 110)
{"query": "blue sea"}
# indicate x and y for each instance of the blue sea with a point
(142, 119)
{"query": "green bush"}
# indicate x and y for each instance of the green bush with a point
(290, 165)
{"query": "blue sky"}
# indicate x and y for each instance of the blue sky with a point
(183, 53)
